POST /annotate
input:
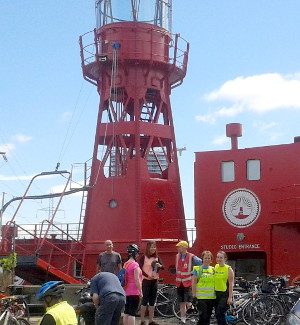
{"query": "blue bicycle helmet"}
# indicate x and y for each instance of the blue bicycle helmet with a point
(51, 288)
(230, 319)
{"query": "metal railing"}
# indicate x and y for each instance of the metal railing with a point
(60, 231)
(37, 240)
(171, 226)
(90, 50)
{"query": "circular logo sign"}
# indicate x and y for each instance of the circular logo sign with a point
(241, 208)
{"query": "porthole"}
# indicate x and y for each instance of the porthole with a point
(160, 204)
(112, 203)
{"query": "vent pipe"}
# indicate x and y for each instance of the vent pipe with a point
(233, 131)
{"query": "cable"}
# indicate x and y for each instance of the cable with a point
(76, 124)
(64, 146)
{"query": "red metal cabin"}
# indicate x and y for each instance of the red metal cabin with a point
(247, 203)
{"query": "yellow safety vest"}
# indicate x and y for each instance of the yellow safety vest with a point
(63, 313)
(205, 288)
(221, 277)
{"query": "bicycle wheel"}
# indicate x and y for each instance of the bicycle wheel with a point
(176, 308)
(164, 302)
(191, 316)
(246, 313)
(192, 320)
(266, 310)
(23, 321)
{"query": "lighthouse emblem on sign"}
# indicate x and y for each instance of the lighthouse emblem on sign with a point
(241, 208)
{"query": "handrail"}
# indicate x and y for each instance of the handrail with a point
(61, 230)
(53, 248)
(92, 49)
(30, 183)
(25, 197)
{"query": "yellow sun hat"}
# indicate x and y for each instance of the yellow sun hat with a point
(182, 243)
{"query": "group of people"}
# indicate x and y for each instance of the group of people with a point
(196, 280)
(141, 284)
(207, 286)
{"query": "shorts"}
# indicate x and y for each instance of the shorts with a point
(132, 305)
(184, 294)
(149, 288)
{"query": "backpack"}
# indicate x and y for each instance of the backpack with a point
(122, 276)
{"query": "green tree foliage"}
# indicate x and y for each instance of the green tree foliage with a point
(10, 262)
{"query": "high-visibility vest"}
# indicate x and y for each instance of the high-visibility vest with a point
(221, 277)
(205, 288)
(63, 313)
(183, 270)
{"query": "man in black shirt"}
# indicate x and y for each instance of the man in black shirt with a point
(109, 261)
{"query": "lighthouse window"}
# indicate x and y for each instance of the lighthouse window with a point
(253, 170)
(227, 171)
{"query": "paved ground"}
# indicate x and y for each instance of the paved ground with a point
(164, 321)
(161, 321)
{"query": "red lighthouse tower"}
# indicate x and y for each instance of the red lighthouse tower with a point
(134, 60)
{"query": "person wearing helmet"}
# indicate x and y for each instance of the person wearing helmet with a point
(58, 311)
(133, 287)
(185, 262)
(108, 297)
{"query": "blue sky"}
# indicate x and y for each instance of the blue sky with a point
(244, 67)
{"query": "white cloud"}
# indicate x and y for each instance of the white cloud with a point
(60, 188)
(206, 118)
(270, 130)
(23, 177)
(16, 178)
(263, 126)
(7, 148)
(21, 138)
(258, 94)
(220, 140)
(66, 116)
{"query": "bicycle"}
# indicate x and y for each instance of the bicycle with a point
(240, 310)
(13, 311)
(166, 295)
(85, 308)
(275, 304)
(167, 304)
